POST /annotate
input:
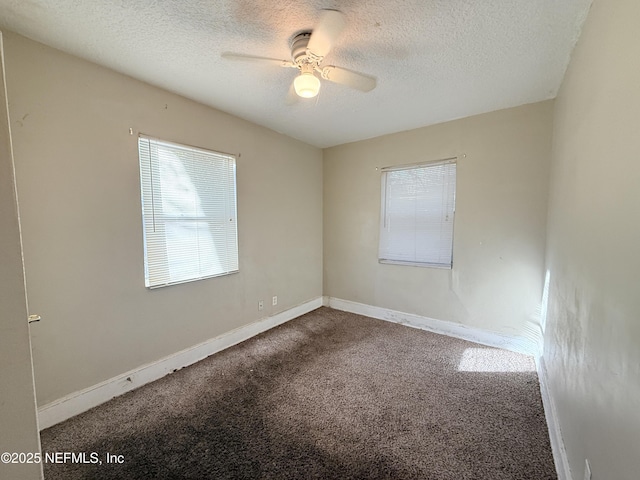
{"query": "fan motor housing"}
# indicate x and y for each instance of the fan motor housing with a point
(299, 47)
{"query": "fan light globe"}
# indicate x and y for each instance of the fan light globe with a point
(307, 85)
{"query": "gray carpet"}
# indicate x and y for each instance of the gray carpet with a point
(329, 395)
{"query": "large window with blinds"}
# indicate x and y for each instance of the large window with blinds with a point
(418, 205)
(188, 211)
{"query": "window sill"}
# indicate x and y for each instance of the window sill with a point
(415, 264)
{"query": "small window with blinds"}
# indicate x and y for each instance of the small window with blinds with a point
(189, 212)
(418, 205)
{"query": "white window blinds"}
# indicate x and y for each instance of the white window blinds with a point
(189, 212)
(418, 204)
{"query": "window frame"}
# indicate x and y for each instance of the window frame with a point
(152, 187)
(384, 207)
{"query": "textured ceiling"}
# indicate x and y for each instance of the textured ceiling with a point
(435, 60)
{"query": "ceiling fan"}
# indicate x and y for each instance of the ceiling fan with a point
(308, 50)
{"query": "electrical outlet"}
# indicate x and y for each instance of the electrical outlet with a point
(587, 470)
(274, 300)
(260, 305)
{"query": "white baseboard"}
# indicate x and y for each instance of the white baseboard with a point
(555, 433)
(457, 330)
(81, 401)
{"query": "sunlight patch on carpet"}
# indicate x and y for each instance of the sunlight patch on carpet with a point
(493, 360)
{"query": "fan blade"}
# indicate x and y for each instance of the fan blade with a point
(327, 30)
(250, 58)
(352, 79)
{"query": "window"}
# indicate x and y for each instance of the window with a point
(418, 204)
(188, 211)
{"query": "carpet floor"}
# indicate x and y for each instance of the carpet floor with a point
(329, 395)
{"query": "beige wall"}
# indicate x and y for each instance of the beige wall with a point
(18, 424)
(592, 346)
(501, 202)
(78, 185)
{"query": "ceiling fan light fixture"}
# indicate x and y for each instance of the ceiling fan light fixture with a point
(306, 85)
(308, 51)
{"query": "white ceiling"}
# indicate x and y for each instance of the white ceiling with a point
(435, 60)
